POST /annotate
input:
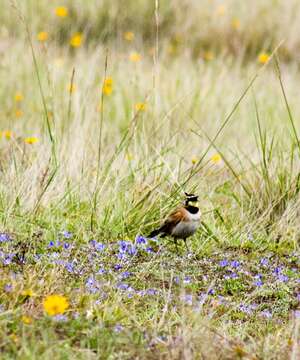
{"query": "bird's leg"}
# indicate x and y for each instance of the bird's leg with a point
(176, 246)
(185, 243)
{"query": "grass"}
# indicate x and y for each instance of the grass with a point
(75, 206)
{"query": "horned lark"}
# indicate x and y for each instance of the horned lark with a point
(181, 223)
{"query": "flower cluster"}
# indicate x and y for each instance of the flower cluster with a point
(102, 271)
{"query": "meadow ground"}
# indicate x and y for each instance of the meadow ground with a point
(110, 110)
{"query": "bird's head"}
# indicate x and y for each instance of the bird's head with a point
(191, 199)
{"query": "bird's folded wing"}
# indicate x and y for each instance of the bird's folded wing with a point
(172, 220)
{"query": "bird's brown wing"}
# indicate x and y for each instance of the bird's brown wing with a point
(172, 220)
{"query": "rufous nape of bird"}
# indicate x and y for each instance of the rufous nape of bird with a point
(181, 223)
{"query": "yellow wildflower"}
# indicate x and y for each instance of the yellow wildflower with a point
(135, 57)
(31, 140)
(236, 24)
(129, 35)
(140, 106)
(221, 9)
(7, 134)
(240, 352)
(107, 86)
(18, 113)
(263, 58)
(27, 292)
(61, 11)
(72, 88)
(194, 160)
(216, 158)
(129, 157)
(42, 36)
(107, 90)
(14, 338)
(171, 49)
(208, 55)
(108, 81)
(26, 319)
(55, 304)
(19, 97)
(76, 40)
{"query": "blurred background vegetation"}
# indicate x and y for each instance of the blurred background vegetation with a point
(199, 28)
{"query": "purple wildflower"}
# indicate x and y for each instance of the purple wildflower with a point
(69, 267)
(221, 299)
(297, 314)
(188, 299)
(123, 286)
(126, 247)
(125, 274)
(4, 237)
(235, 263)
(176, 280)
(90, 281)
(93, 242)
(277, 270)
(8, 258)
(60, 318)
(101, 271)
(76, 315)
(223, 263)
(92, 285)
(233, 275)
(67, 234)
(211, 292)
(141, 292)
(283, 278)
(258, 283)
(132, 250)
(264, 261)
(99, 246)
(266, 314)
(151, 292)
(140, 240)
(250, 236)
(8, 288)
(118, 328)
(187, 280)
(121, 255)
(245, 309)
(123, 245)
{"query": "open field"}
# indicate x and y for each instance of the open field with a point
(110, 110)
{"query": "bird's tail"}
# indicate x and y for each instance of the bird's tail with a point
(154, 233)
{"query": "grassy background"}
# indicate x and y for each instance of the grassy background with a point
(104, 170)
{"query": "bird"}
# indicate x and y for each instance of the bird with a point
(181, 223)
